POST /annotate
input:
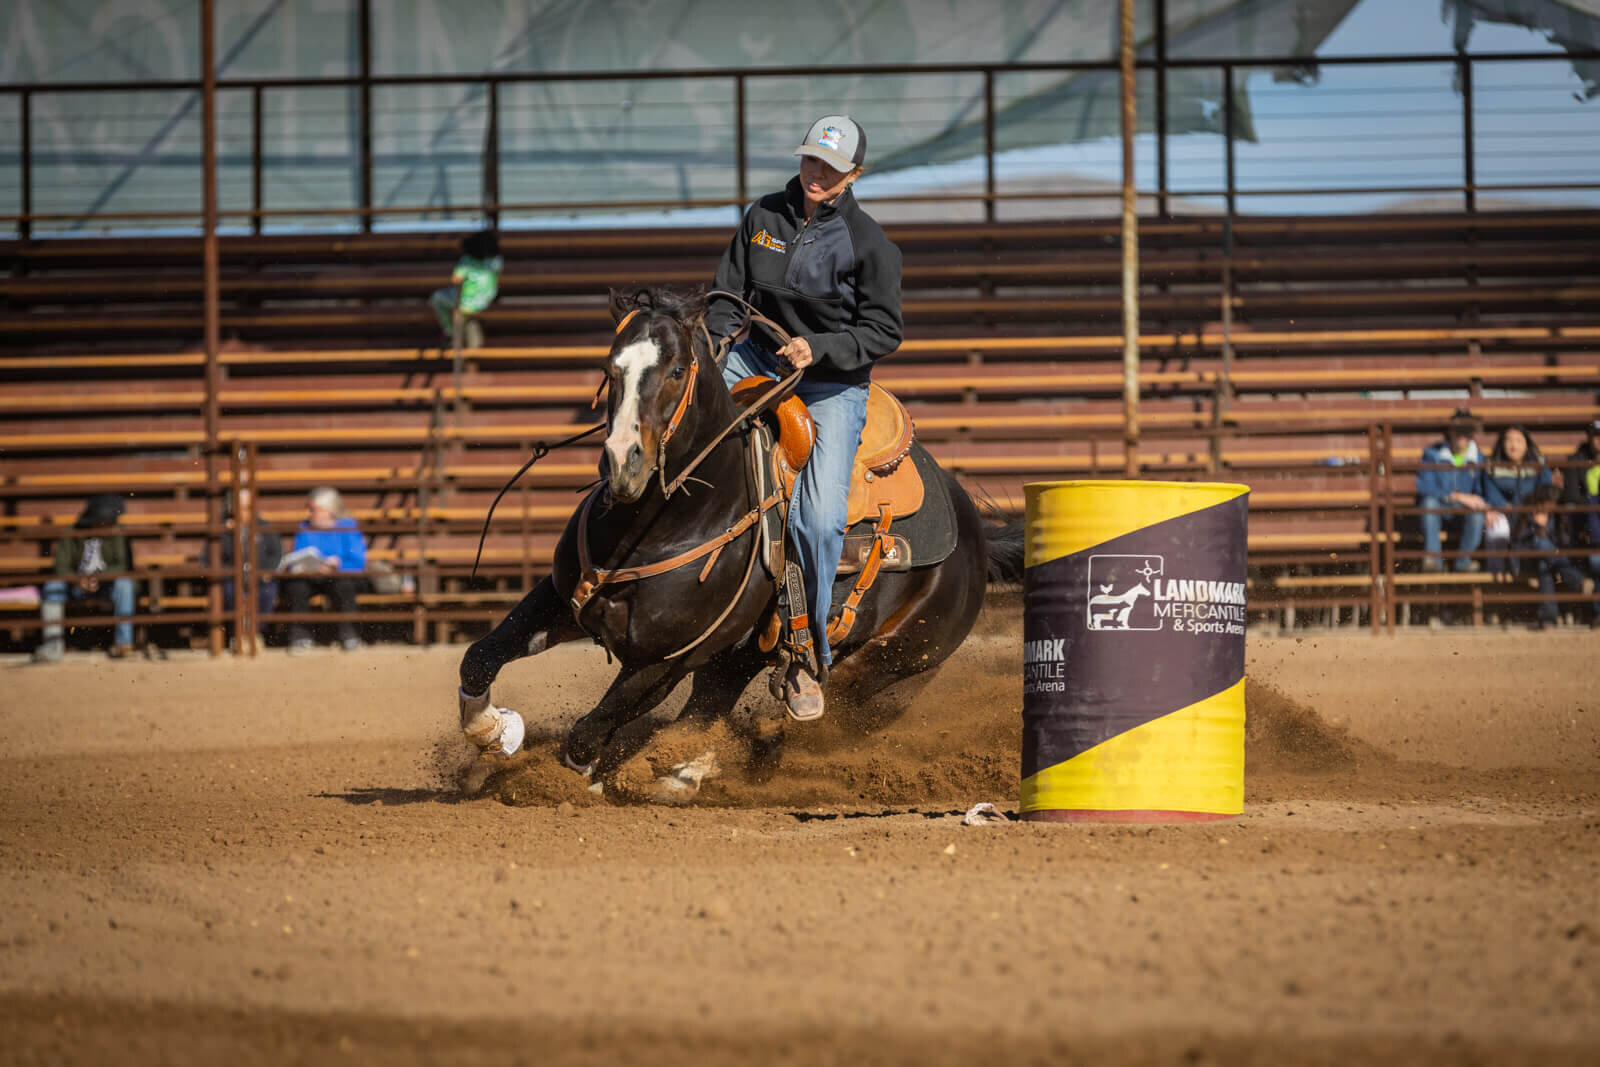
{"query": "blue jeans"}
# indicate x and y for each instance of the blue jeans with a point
(1433, 523)
(1549, 568)
(443, 302)
(822, 491)
(266, 600)
(123, 599)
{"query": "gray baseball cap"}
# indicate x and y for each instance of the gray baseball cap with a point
(837, 140)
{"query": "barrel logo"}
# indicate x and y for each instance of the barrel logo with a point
(1117, 585)
(1133, 593)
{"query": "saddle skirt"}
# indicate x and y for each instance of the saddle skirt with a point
(879, 477)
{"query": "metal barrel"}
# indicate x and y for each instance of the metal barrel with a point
(1133, 651)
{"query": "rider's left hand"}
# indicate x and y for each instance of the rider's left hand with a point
(797, 352)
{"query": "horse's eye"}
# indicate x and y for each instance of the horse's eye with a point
(677, 372)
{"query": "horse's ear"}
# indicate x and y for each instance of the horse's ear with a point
(626, 300)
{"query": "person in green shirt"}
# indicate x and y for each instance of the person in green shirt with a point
(473, 286)
(85, 564)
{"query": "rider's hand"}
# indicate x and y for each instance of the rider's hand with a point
(797, 352)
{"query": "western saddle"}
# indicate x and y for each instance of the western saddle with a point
(883, 487)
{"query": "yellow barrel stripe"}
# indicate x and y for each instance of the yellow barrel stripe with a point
(1189, 760)
(1098, 511)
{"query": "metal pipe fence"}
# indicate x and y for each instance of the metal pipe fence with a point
(1386, 581)
(1415, 145)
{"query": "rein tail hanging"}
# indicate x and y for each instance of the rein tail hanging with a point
(541, 450)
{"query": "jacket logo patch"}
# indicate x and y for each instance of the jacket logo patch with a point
(766, 240)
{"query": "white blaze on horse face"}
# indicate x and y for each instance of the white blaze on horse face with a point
(631, 362)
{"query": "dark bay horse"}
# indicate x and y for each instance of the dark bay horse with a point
(668, 580)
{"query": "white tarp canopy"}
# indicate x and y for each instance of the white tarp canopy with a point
(1572, 24)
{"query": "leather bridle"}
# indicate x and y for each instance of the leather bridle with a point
(591, 578)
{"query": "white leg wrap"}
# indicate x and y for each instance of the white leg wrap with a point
(480, 719)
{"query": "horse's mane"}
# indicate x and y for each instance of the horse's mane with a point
(686, 305)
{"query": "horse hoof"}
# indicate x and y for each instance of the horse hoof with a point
(585, 769)
(683, 784)
(507, 739)
(513, 731)
(672, 790)
(476, 776)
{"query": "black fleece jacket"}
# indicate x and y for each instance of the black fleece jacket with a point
(834, 281)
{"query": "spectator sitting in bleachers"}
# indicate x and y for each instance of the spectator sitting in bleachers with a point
(1582, 489)
(268, 555)
(329, 556)
(1577, 490)
(1460, 487)
(1515, 471)
(83, 563)
(473, 286)
(1540, 530)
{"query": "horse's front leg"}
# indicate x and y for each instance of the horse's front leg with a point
(540, 621)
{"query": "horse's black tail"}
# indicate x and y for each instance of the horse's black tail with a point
(1005, 545)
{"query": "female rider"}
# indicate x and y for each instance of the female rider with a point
(812, 261)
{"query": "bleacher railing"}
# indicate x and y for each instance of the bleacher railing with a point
(1381, 577)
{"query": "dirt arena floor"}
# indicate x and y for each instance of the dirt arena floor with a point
(270, 862)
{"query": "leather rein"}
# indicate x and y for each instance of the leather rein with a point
(591, 578)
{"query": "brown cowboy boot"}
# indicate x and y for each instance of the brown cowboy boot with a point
(803, 695)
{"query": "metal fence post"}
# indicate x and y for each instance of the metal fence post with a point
(741, 142)
(25, 159)
(988, 146)
(1387, 456)
(256, 119)
(1374, 523)
(1227, 138)
(1469, 167)
(364, 94)
(1162, 205)
(491, 160)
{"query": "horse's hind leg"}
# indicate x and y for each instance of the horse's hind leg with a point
(538, 622)
(717, 688)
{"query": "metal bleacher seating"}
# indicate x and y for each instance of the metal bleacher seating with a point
(1349, 342)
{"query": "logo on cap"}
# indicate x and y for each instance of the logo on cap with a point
(831, 136)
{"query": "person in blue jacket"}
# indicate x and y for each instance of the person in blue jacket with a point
(1515, 471)
(329, 556)
(1453, 495)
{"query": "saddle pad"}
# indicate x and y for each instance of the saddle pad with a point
(931, 530)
